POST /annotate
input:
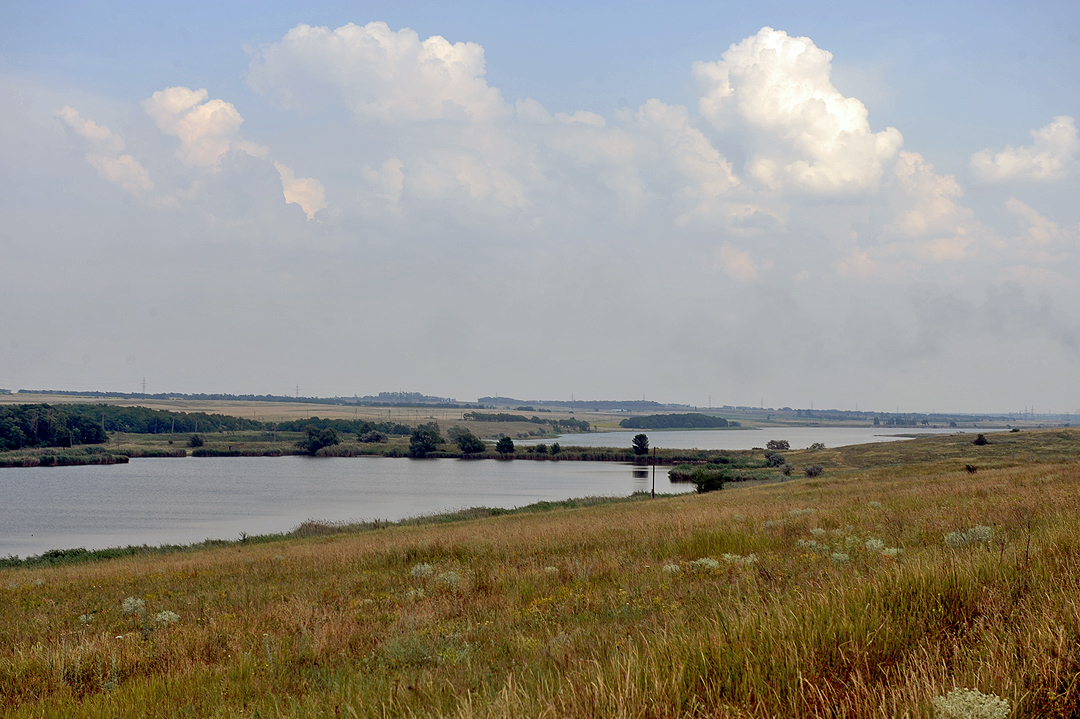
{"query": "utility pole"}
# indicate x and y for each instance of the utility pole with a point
(653, 472)
(144, 385)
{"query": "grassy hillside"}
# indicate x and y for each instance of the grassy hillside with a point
(896, 577)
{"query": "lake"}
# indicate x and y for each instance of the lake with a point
(180, 501)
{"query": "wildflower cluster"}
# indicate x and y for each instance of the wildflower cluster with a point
(840, 543)
(739, 559)
(423, 570)
(976, 535)
(705, 563)
(970, 704)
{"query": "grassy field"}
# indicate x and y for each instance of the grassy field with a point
(907, 570)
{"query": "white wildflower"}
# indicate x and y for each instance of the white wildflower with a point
(133, 605)
(970, 704)
(874, 545)
(422, 570)
(85, 619)
(705, 563)
(449, 579)
(166, 617)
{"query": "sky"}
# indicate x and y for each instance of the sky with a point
(850, 205)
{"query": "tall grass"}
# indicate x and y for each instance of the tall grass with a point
(599, 611)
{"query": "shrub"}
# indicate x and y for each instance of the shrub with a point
(817, 446)
(372, 437)
(776, 444)
(970, 704)
(195, 441)
(505, 445)
(555, 448)
(814, 470)
(981, 440)
(775, 459)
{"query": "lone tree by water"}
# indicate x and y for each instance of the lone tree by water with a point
(505, 445)
(424, 440)
(318, 438)
(640, 444)
(466, 441)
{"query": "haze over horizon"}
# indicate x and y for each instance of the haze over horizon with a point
(785, 204)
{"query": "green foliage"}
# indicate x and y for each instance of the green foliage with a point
(373, 437)
(466, 441)
(684, 420)
(505, 445)
(814, 470)
(318, 438)
(565, 425)
(343, 426)
(424, 440)
(541, 449)
(195, 441)
(555, 448)
(775, 459)
(640, 444)
(42, 425)
(778, 444)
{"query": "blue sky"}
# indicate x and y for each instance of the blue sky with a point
(518, 225)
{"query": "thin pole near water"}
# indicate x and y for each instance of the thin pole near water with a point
(653, 472)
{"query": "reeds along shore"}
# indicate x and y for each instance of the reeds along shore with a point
(874, 590)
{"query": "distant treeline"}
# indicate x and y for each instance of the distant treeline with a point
(566, 425)
(354, 426)
(690, 420)
(385, 399)
(39, 425)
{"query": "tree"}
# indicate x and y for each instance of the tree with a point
(318, 438)
(541, 449)
(466, 441)
(775, 459)
(778, 444)
(424, 440)
(505, 445)
(195, 441)
(640, 444)
(555, 448)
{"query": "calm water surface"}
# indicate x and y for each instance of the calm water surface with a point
(162, 501)
(179, 501)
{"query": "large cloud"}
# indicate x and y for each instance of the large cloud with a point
(377, 72)
(206, 128)
(1048, 158)
(804, 133)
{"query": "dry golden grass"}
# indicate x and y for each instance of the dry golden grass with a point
(600, 612)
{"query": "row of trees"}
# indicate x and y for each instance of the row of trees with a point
(569, 424)
(684, 420)
(42, 425)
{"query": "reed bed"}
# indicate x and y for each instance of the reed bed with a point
(879, 589)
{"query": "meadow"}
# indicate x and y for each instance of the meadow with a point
(906, 571)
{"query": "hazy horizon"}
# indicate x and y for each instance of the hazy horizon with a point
(837, 205)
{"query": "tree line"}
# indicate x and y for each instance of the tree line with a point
(687, 420)
(40, 425)
(566, 425)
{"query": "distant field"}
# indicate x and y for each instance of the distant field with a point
(905, 571)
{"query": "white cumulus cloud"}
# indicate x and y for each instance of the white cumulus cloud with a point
(379, 73)
(1047, 158)
(106, 154)
(205, 128)
(804, 134)
(304, 191)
